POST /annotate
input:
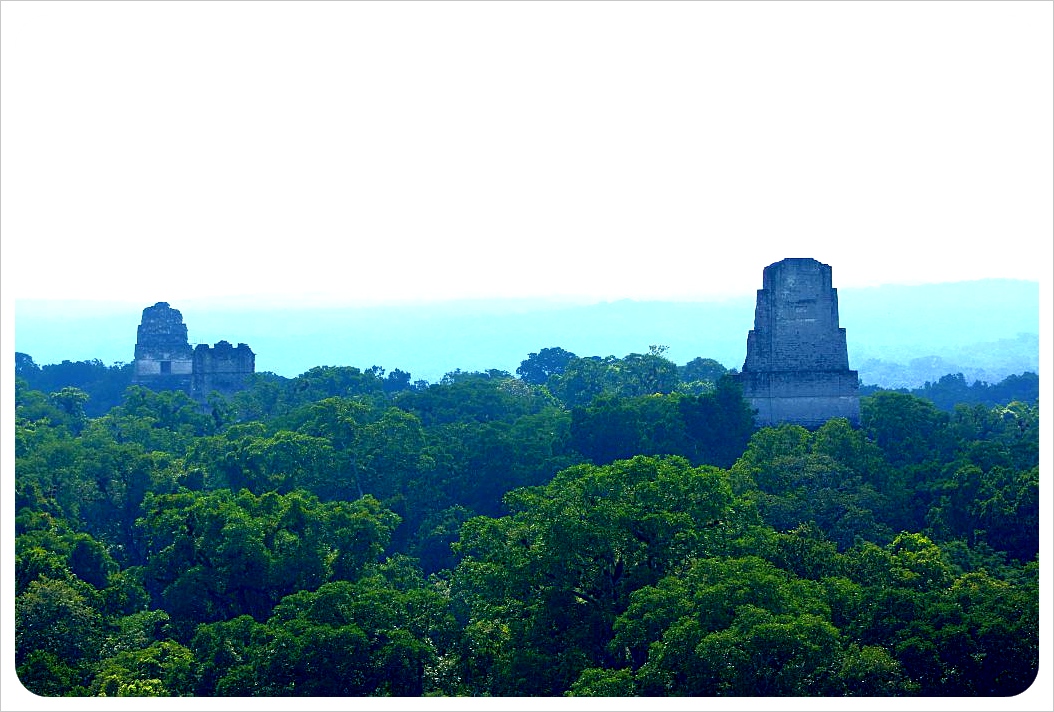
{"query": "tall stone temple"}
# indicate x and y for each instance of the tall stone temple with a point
(797, 365)
(164, 359)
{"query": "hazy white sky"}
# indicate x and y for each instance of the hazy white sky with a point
(394, 151)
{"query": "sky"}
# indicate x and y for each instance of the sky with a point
(361, 153)
(364, 153)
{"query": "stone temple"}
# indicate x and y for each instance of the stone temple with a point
(797, 365)
(164, 359)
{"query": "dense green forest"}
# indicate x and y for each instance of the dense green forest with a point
(105, 385)
(586, 526)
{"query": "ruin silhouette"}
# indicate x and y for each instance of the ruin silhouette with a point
(164, 359)
(797, 365)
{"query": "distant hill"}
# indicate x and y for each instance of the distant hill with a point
(903, 336)
(898, 336)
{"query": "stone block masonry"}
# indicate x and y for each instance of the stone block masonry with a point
(797, 365)
(164, 359)
(221, 368)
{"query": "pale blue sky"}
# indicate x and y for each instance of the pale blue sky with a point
(397, 151)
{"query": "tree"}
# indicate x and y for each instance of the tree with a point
(25, 366)
(287, 461)
(162, 669)
(909, 430)
(219, 649)
(481, 397)
(397, 381)
(104, 385)
(768, 655)
(54, 618)
(599, 682)
(216, 555)
(47, 675)
(918, 563)
(538, 367)
(700, 375)
(390, 453)
(645, 374)
(264, 396)
(581, 381)
(719, 423)
(375, 636)
(730, 626)
(329, 381)
(557, 572)
(608, 429)
(71, 402)
(999, 507)
(90, 561)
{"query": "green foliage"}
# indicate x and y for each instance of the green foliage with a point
(999, 507)
(951, 391)
(268, 396)
(538, 367)
(700, 375)
(718, 423)
(161, 669)
(93, 482)
(475, 464)
(265, 396)
(707, 429)
(583, 379)
(482, 397)
(216, 555)
(802, 477)
(101, 385)
(599, 682)
(329, 381)
(573, 551)
(57, 633)
(377, 635)
(906, 428)
(45, 674)
(765, 655)
(565, 532)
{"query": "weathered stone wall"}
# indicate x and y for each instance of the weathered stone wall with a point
(156, 366)
(797, 364)
(788, 384)
(796, 320)
(222, 368)
(164, 359)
